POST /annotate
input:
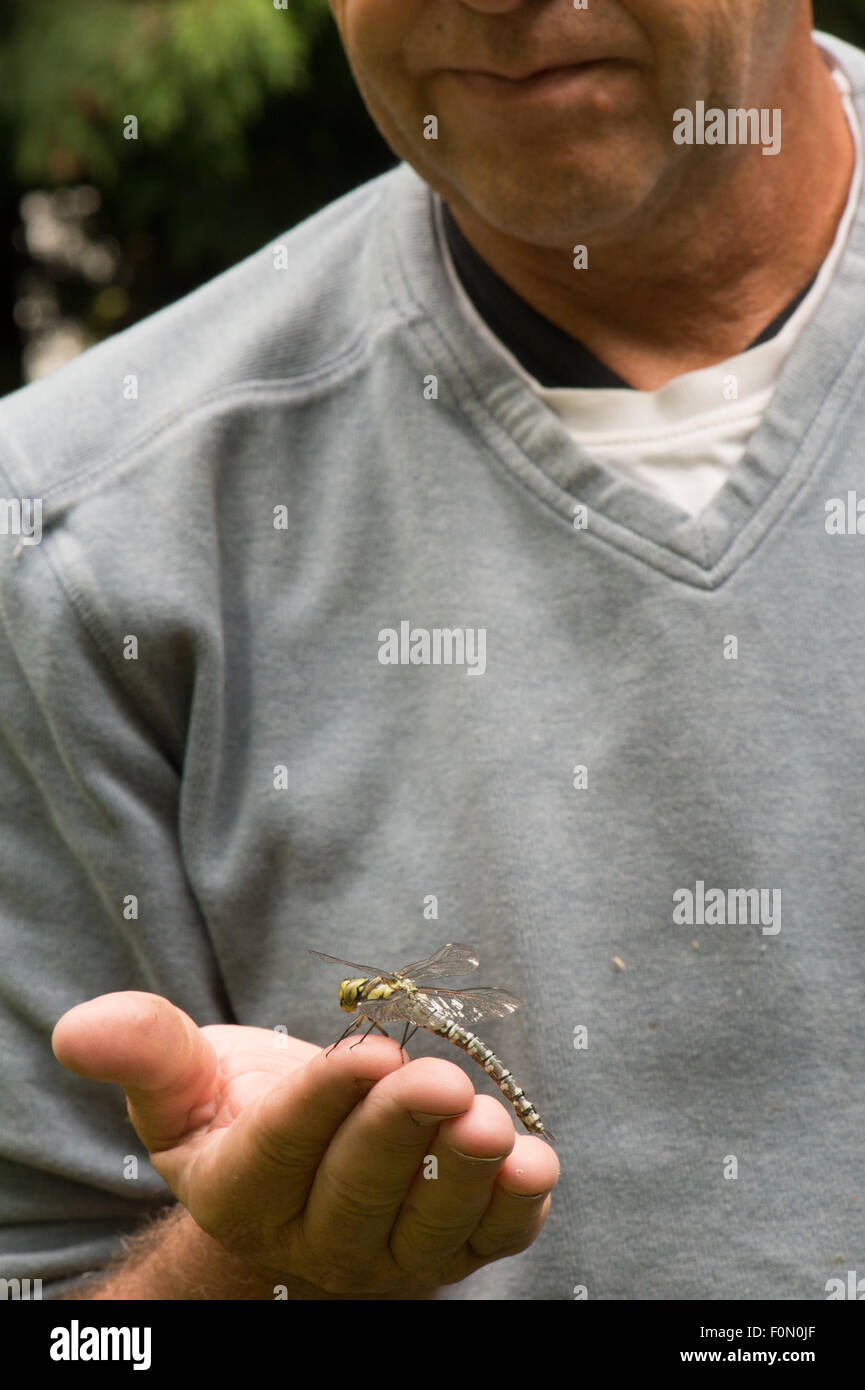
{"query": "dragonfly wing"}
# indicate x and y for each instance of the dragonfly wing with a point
(452, 959)
(386, 1010)
(353, 965)
(468, 1005)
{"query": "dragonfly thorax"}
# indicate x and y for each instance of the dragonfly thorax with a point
(354, 992)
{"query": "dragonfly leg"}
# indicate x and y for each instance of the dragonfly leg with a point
(355, 1023)
(407, 1032)
(372, 1025)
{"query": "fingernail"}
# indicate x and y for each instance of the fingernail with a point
(422, 1119)
(473, 1158)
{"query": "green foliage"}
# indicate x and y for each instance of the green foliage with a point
(198, 71)
(846, 18)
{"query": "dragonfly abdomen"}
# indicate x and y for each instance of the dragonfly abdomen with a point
(496, 1069)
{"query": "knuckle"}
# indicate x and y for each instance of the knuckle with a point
(352, 1203)
(435, 1228)
(284, 1155)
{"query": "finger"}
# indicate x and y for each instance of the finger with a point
(373, 1161)
(520, 1202)
(453, 1190)
(155, 1051)
(276, 1145)
(246, 1051)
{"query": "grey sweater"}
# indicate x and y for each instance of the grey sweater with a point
(635, 788)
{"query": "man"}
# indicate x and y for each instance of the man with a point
(481, 563)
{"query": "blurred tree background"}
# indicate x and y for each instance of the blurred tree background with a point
(146, 145)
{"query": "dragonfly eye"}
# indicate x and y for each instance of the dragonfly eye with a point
(348, 992)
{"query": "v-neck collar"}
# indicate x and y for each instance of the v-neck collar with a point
(816, 387)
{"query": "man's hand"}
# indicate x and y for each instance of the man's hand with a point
(311, 1167)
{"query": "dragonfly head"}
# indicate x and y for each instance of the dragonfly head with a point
(348, 994)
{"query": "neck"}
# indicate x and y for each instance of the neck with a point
(700, 280)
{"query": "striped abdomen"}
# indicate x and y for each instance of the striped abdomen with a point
(526, 1112)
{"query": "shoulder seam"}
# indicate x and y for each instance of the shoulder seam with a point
(321, 378)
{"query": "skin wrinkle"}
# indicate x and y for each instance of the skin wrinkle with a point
(692, 249)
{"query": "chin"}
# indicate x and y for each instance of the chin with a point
(570, 210)
(547, 197)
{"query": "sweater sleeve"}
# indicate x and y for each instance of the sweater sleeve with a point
(93, 898)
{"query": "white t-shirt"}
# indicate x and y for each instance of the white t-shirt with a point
(683, 440)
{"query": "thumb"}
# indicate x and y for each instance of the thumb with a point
(155, 1051)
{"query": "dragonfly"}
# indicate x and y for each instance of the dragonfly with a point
(396, 996)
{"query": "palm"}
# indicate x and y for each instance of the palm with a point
(249, 1063)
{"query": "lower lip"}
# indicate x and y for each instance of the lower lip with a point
(584, 79)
